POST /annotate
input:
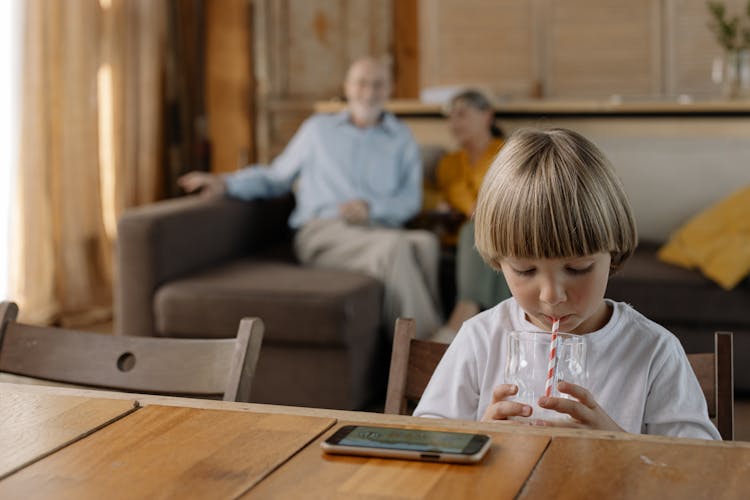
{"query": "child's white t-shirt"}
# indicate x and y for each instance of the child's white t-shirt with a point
(638, 372)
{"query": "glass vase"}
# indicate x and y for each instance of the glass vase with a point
(735, 74)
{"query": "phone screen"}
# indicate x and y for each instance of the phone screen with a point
(409, 439)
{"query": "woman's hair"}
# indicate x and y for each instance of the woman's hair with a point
(477, 100)
(552, 194)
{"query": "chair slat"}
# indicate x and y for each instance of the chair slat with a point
(704, 367)
(424, 358)
(715, 374)
(412, 364)
(724, 348)
(200, 367)
(403, 334)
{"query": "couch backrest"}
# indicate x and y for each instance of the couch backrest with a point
(431, 154)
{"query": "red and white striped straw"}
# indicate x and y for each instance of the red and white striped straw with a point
(552, 365)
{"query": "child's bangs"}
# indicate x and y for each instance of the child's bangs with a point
(536, 226)
(552, 195)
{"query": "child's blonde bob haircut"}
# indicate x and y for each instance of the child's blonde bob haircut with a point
(552, 194)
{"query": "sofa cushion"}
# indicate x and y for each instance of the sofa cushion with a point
(716, 241)
(297, 304)
(669, 294)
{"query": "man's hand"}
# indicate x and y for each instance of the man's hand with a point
(208, 184)
(500, 409)
(585, 411)
(355, 211)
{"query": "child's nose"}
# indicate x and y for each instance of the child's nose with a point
(552, 292)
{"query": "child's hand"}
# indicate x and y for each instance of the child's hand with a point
(500, 409)
(585, 411)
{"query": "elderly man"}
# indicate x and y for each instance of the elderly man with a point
(358, 179)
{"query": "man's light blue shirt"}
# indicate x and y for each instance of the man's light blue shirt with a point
(332, 161)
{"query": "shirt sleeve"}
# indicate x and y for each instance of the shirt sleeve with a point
(675, 405)
(259, 181)
(398, 207)
(453, 391)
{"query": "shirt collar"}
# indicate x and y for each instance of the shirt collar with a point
(387, 122)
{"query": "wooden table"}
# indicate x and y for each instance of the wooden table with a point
(177, 447)
(33, 426)
(595, 468)
(310, 474)
(169, 452)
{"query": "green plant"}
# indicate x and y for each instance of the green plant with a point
(732, 32)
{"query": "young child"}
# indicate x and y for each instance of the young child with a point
(553, 217)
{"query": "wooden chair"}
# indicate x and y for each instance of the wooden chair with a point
(194, 367)
(715, 372)
(413, 362)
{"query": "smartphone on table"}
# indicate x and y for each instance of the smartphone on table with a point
(412, 444)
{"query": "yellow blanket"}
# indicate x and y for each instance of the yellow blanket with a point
(716, 241)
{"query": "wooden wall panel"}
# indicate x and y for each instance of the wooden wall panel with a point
(572, 48)
(640, 49)
(369, 29)
(690, 47)
(303, 48)
(406, 49)
(316, 50)
(229, 86)
(485, 43)
(596, 48)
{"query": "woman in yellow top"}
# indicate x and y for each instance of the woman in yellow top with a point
(458, 178)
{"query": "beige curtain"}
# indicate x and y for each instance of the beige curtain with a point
(90, 147)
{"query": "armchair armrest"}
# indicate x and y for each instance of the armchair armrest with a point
(166, 240)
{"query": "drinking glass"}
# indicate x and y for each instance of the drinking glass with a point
(527, 366)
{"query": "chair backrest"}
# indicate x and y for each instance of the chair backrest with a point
(195, 367)
(715, 373)
(412, 364)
